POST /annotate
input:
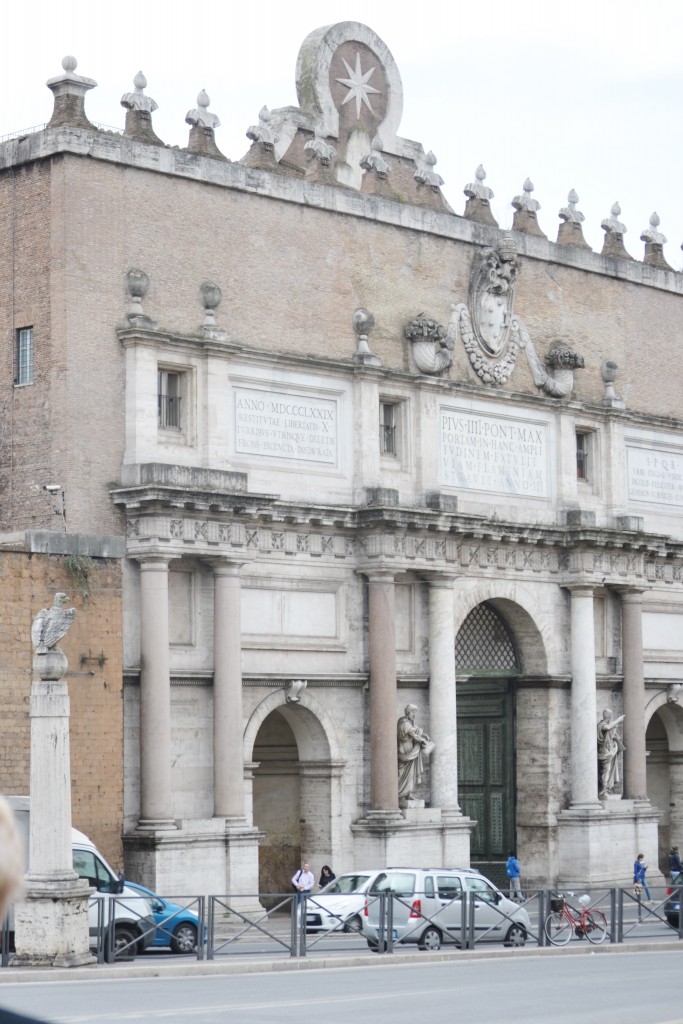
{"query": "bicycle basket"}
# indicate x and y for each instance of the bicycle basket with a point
(556, 904)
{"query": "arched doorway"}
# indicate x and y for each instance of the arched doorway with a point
(486, 665)
(664, 744)
(296, 786)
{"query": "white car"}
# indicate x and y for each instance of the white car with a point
(339, 906)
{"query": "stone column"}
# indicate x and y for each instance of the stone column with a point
(383, 692)
(584, 717)
(228, 760)
(156, 794)
(635, 784)
(443, 719)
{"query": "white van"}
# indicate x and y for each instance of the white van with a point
(134, 925)
(427, 909)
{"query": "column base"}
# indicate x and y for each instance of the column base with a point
(51, 924)
(157, 824)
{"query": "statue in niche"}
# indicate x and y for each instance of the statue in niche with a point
(413, 746)
(609, 748)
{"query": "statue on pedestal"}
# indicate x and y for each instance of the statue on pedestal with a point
(413, 746)
(609, 748)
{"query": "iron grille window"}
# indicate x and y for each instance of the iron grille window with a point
(484, 644)
(387, 428)
(582, 456)
(24, 356)
(169, 399)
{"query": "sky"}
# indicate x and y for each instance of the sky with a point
(587, 95)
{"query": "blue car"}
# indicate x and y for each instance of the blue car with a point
(177, 926)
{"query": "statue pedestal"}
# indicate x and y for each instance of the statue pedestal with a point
(418, 836)
(598, 845)
(51, 924)
(202, 857)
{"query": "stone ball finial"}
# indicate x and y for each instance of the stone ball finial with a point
(363, 322)
(203, 99)
(140, 82)
(528, 185)
(211, 295)
(573, 196)
(137, 283)
(608, 371)
(69, 64)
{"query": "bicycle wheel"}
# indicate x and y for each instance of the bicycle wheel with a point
(558, 929)
(595, 926)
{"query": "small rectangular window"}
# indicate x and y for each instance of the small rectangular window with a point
(582, 455)
(169, 399)
(24, 356)
(388, 424)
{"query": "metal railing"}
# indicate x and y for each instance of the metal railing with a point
(296, 925)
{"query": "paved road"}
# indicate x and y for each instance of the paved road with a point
(619, 988)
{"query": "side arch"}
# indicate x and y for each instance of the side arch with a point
(314, 731)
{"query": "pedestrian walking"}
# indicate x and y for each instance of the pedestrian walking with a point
(327, 875)
(513, 872)
(639, 880)
(303, 881)
(675, 866)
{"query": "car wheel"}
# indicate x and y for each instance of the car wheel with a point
(184, 939)
(354, 924)
(430, 939)
(125, 942)
(516, 935)
(672, 921)
(373, 946)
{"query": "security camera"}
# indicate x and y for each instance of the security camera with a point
(52, 488)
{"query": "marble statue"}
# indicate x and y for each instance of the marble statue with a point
(413, 746)
(609, 748)
(51, 624)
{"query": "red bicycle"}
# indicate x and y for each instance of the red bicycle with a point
(561, 924)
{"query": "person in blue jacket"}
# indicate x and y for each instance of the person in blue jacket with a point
(513, 871)
(639, 869)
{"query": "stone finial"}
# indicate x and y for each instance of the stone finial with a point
(426, 175)
(137, 284)
(69, 91)
(263, 132)
(139, 109)
(479, 196)
(210, 297)
(318, 149)
(363, 323)
(526, 208)
(203, 125)
(608, 372)
(137, 100)
(614, 235)
(570, 231)
(374, 161)
(654, 244)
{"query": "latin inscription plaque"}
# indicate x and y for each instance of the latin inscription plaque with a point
(285, 426)
(493, 453)
(654, 475)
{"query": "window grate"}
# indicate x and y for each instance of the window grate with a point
(484, 643)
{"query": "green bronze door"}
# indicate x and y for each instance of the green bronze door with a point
(485, 655)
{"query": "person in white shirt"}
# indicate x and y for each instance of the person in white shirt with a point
(303, 880)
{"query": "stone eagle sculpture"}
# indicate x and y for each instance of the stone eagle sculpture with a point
(51, 624)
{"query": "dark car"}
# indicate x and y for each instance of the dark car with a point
(177, 926)
(672, 907)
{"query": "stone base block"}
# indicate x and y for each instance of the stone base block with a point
(597, 846)
(202, 857)
(419, 839)
(51, 926)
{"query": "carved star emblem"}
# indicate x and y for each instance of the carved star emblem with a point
(357, 84)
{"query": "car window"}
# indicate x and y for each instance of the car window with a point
(449, 887)
(346, 884)
(401, 883)
(429, 886)
(90, 867)
(483, 889)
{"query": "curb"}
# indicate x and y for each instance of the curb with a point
(236, 965)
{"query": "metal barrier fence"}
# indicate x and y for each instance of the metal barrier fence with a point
(122, 927)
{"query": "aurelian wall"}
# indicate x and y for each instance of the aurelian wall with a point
(93, 648)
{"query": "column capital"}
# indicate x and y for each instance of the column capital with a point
(153, 559)
(627, 591)
(440, 578)
(379, 573)
(223, 565)
(576, 586)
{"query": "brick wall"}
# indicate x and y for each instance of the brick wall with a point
(29, 583)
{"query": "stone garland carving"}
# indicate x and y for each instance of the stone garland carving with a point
(432, 343)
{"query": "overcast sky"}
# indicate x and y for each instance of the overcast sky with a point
(587, 95)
